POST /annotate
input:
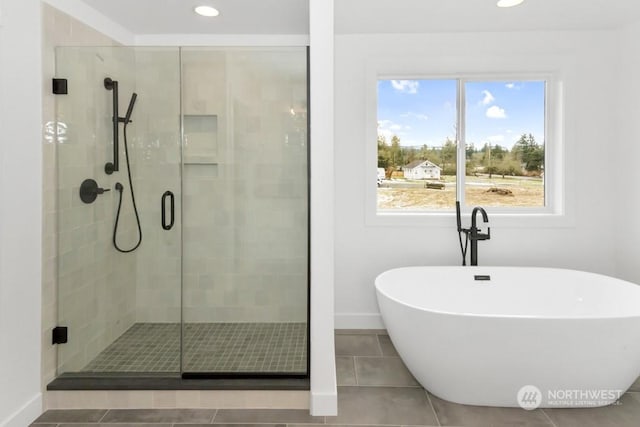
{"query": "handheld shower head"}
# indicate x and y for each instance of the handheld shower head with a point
(127, 117)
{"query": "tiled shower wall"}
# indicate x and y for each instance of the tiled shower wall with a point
(96, 284)
(73, 252)
(245, 200)
(244, 185)
(155, 147)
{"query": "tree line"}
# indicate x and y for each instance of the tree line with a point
(526, 157)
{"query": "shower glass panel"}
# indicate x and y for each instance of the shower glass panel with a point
(218, 160)
(122, 310)
(245, 211)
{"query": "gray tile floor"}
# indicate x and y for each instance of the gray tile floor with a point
(374, 389)
(208, 347)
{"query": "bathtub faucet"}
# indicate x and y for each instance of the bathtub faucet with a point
(475, 235)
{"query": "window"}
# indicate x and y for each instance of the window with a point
(482, 142)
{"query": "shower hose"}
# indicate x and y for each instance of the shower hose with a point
(120, 188)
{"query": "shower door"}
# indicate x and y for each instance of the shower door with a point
(245, 212)
(122, 310)
(216, 157)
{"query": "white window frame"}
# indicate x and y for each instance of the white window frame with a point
(552, 70)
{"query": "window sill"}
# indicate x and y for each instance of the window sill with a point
(448, 219)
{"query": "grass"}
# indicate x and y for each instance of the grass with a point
(411, 195)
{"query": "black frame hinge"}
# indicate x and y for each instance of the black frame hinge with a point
(59, 86)
(59, 335)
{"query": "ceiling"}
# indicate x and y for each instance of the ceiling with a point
(236, 16)
(420, 16)
(367, 16)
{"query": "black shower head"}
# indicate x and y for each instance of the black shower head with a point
(127, 117)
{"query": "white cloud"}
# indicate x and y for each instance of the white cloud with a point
(405, 86)
(510, 85)
(398, 128)
(494, 139)
(387, 134)
(418, 116)
(388, 129)
(495, 112)
(488, 97)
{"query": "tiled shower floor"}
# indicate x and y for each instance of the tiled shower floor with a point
(208, 347)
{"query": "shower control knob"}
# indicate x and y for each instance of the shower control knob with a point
(89, 190)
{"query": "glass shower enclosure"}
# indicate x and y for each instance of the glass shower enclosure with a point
(212, 181)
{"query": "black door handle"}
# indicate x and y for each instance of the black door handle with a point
(163, 204)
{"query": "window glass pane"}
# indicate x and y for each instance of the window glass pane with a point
(416, 145)
(504, 136)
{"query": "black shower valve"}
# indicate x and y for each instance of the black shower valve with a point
(89, 190)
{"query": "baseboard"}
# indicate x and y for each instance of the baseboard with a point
(358, 321)
(26, 414)
(324, 404)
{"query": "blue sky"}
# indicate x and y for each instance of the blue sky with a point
(424, 111)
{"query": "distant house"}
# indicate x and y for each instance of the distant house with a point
(422, 169)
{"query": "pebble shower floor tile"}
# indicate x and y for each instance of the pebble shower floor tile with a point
(208, 347)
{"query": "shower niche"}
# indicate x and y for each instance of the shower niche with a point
(201, 139)
(224, 292)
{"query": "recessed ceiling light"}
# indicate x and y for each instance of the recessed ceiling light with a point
(206, 11)
(508, 3)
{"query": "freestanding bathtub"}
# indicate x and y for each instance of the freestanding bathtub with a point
(484, 335)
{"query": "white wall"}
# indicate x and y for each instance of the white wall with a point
(587, 243)
(20, 211)
(628, 146)
(324, 396)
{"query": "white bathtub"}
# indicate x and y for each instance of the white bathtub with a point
(573, 335)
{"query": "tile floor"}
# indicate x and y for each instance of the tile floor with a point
(208, 347)
(374, 388)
